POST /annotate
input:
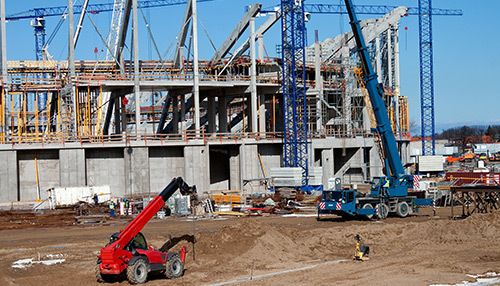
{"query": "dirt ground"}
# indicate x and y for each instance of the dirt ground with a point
(419, 250)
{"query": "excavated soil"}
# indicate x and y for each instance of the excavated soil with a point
(419, 250)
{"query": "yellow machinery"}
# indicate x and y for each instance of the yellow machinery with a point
(362, 251)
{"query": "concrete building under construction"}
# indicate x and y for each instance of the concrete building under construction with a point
(134, 125)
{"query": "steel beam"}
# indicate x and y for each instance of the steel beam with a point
(181, 38)
(236, 33)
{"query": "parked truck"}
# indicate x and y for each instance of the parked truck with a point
(390, 193)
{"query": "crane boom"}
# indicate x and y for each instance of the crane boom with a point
(376, 91)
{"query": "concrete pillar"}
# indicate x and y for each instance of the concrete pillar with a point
(250, 168)
(137, 179)
(3, 41)
(196, 76)
(396, 76)
(260, 45)
(197, 167)
(376, 164)
(319, 83)
(3, 64)
(8, 176)
(211, 114)
(328, 164)
(222, 102)
(378, 59)
(71, 35)
(234, 170)
(182, 112)
(262, 115)
(253, 80)
(72, 167)
(389, 58)
(135, 49)
(175, 115)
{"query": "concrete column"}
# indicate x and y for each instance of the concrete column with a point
(396, 76)
(319, 83)
(328, 164)
(183, 112)
(211, 114)
(3, 40)
(222, 101)
(176, 115)
(196, 76)
(72, 167)
(8, 176)
(197, 167)
(3, 62)
(137, 88)
(234, 170)
(137, 179)
(260, 45)
(253, 80)
(376, 164)
(262, 115)
(250, 168)
(71, 35)
(378, 59)
(389, 58)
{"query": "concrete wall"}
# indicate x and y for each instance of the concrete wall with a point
(106, 167)
(136, 170)
(271, 157)
(48, 172)
(72, 167)
(197, 167)
(8, 176)
(165, 163)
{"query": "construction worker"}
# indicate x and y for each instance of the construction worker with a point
(111, 208)
(127, 206)
(386, 183)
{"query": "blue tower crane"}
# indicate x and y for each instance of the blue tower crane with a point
(293, 40)
(426, 78)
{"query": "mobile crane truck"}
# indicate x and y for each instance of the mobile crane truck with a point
(388, 194)
(128, 252)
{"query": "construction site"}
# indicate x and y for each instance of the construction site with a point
(259, 165)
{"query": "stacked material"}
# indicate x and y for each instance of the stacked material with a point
(286, 176)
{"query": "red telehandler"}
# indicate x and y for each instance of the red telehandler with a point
(128, 252)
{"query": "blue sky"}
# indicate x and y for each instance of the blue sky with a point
(466, 48)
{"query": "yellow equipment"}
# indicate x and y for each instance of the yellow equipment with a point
(362, 251)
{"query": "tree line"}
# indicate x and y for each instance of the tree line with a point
(471, 134)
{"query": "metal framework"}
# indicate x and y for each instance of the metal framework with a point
(294, 86)
(38, 16)
(475, 199)
(426, 78)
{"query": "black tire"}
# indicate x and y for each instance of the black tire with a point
(137, 272)
(403, 209)
(382, 211)
(174, 268)
(368, 206)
